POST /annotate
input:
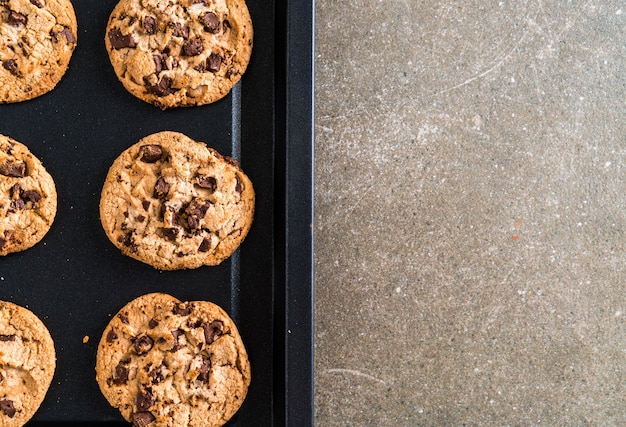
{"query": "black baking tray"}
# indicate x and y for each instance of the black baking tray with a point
(75, 280)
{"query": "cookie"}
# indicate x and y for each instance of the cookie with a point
(37, 39)
(175, 203)
(163, 362)
(28, 198)
(27, 364)
(174, 53)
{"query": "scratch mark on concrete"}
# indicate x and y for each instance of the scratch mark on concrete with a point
(355, 373)
(488, 70)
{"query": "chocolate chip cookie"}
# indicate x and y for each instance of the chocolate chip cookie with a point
(27, 364)
(28, 198)
(174, 53)
(175, 203)
(163, 362)
(37, 39)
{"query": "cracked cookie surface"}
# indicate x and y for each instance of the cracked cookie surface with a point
(174, 53)
(163, 362)
(28, 198)
(27, 364)
(174, 203)
(37, 39)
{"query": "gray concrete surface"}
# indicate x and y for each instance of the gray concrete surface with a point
(470, 213)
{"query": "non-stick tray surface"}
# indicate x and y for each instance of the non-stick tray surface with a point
(75, 280)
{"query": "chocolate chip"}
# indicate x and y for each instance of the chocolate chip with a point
(205, 245)
(176, 334)
(149, 25)
(153, 324)
(37, 3)
(31, 196)
(119, 40)
(193, 47)
(238, 186)
(16, 19)
(205, 368)
(141, 218)
(161, 188)
(14, 169)
(121, 374)
(142, 419)
(212, 330)
(163, 87)
(195, 212)
(11, 66)
(7, 407)
(143, 344)
(213, 62)
(123, 318)
(150, 153)
(160, 62)
(111, 336)
(181, 310)
(157, 375)
(170, 233)
(65, 32)
(211, 22)
(179, 30)
(3, 242)
(207, 182)
(16, 205)
(145, 400)
(145, 204)
(6, 338)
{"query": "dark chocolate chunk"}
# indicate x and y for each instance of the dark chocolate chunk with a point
(142, 419)
(145, 204)
(161, 188)
(150, 153)
(160, 62)
(212, 330)
(213, 62)
(123, 318)
(143, 344)
(119, 40)
(149, 24)
(181, 310)
(211, 22)
(193, 47)
(205, 245)
(14, 169)
(176, 334)
(31, 196)
(6, 338)
(121, 374)
(153, 324)
(157, 375)
(65, 32)
(37, 3)
(16, 205)
(163, 87)
(205, 368)
(179, 30)
(207, 182)
(145, 400)
(16, 19)
(3, 242)
(11, 66)
(7, 407)
(111, 336)
(170, 233)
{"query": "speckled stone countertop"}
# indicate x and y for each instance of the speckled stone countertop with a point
(470, 190)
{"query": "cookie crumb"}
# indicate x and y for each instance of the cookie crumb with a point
(85, 339)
